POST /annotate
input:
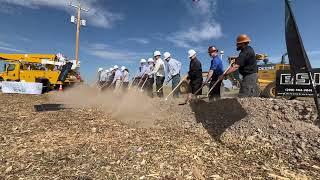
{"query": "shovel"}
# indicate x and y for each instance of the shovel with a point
(215, 84)
(185, 77)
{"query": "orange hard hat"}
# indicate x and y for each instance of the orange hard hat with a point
(243, 38)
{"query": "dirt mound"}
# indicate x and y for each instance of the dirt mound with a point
(287, 126)
(88, 139)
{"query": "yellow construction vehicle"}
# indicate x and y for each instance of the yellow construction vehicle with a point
(267, 74)
(44, 68)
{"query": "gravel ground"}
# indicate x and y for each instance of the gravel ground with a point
(111, 139)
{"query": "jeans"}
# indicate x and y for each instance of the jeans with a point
(159, 84)
(175, 81)
(149, 87)
(215, 93)
(249, 86)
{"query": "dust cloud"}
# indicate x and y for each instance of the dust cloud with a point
(133, 107)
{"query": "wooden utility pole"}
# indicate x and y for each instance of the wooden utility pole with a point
(79, 22)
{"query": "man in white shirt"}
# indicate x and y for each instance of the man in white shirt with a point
(158, 71)
(150, 81)
(173, 70)
(117, 78)
(125, 79)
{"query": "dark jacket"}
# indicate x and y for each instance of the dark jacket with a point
(195, 70)
(247, 61)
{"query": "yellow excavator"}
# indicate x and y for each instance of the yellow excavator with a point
(43, 68)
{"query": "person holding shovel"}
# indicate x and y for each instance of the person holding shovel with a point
(125, 78)
(150, 80)
(137, 81)
(158, 71)
(194, 75)
(117, 78)
(173, 69)
(215, 71)
(246, 63)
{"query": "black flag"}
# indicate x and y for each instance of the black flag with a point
(298, 57)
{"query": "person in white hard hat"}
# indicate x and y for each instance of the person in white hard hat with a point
(99, 76)
(173, 69)
(104, 77)
(150, 81)
(194, 74)
(141, 72)
(117, 78)
(158, 71)
(108, 79)
(125, 79)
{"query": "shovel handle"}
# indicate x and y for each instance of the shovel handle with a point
(185, 77)
(224, 73)
(144, 84)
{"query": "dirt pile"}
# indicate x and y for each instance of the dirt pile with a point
(287, 127)
(227, 139)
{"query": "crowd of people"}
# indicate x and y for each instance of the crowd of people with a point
(155, 70)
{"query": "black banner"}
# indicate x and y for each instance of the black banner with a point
(298, 85)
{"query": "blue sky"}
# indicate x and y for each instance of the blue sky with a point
(124, 31)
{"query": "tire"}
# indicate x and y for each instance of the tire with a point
(270, 90)
(184, 88)
(46, 84)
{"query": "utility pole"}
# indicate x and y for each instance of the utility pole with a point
(79, 22)
(221, 54)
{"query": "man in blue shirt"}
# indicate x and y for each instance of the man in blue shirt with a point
(215, 71)
(173, 69)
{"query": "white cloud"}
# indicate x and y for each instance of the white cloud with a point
(97, 16)
(313, 52)
(139, 40)
(4, 48)
(205, 26)
(106, 52)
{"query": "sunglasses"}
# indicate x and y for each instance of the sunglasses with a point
(212, 51)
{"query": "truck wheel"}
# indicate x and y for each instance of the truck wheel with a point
(46, 84)
(184, 88)
(270, 90)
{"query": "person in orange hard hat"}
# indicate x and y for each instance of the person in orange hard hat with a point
(246, 63)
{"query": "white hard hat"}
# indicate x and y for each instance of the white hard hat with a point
(115, 67)
(123, 68)
(143, 61)
(107, 71)
(156, 53)
(150, 60)
(166, 55)
(110, 69)
(100, 69)
(191, 53)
